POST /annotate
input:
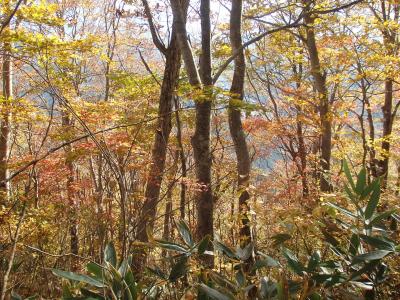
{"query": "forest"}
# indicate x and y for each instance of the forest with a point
(203, 149)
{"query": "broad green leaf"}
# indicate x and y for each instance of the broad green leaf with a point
(280, 238)
(367, 268)
(110, 255)
(95, 270)
(172, 246)
(293, 262)
(373, 255)
(88, 295)
(15, 296)
(343, 210)
(267, 288)
(378, 242)
(179, 269)
(315, 296)
(214, 294)
(314, 261)
(348, 174)
(379, 217)
(266, 262)
(361, 181)
(222, 281)
(130, 281)
(240, 278)
(370, 188)
(354, 244)
(124, 267)
(245, 253)
(373, 201)
(203, 244)
(225, 249)
(184, 232)
(352, 197)
(77, 277)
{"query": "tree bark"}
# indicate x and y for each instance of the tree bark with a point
(5, 127)
(182, 159)
(71, 195)
(154, 179)
(243, 165)
(201, 137)
(322, 95)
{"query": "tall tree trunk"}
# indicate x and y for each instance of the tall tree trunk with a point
(322, 95)
(386, 130)
(5, 128)
(302, 155)
(243, 165)
(201, 137)
(71, 195)
(182, 159)
(301, 151)
(159, 151)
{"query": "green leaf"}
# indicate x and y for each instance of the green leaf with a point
(352, 197)
(379, 217)
(130, 281)
(222, 281)
(373, 201)
(379, 242)
(266, 262)
(240, 278)
(370, 188)
(354, 244)
(124, 267)
(184, 232)
(367, 268)
(213, 293)
(348, 174)
(78, 277)
(95, 270)
(268, 288)
(343, 210)
(373, 255)
(158, 272)
(293, 262)
(179, 269)
(15, 296)
(172, 246)
(280, 238)
(88, 295)
(314, 261)
(245, 253)
(315, 296)
(224, 249)
(110, 255)
(203, 244)
(361, 181)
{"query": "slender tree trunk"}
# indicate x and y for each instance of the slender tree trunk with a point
(5, 127)
(386, 130)
(303, 157)
(243, 165)
(302, 152)
(201, 137)
(324, 105)
(168, 217)
(159, 151)
(71, 195)
(182, 159)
